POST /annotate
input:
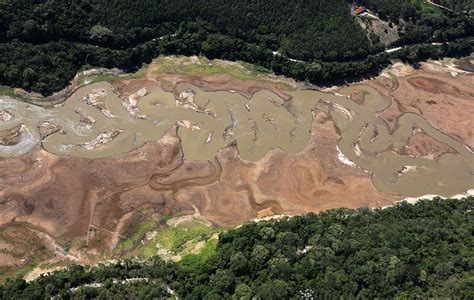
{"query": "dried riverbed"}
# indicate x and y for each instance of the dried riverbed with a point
(96, 122)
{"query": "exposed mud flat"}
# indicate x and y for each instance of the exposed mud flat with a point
(433, 92)
(81, 171)
(210, 121)
(89, 203)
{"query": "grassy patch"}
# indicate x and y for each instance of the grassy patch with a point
(206, 67)
(140, 73)
(189, 235)
(184, 66)
(6, 91)
(8, 272)
(25, 269)
(103, 77)
(175, 238)
(99, 78)
(61, 263)
(138, 236)
(189, 261)
(430, 9)
(255, 68)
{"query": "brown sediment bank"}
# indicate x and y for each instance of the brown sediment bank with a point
(9, 137)
(228, 155)
(209, 121)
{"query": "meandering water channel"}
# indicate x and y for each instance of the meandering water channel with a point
(94, 122)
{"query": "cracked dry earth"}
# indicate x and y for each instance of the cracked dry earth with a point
(49, 201)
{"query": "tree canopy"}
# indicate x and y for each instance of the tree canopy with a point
(404, 251)
(43, 43)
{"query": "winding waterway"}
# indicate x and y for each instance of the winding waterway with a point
(94, 122)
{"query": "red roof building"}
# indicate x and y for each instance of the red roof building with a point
(359, 10)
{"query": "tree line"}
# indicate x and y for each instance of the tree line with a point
(423, 250)
(47, 68)
(305, 29)
(44, 43)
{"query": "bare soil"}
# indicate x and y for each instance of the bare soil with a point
(11, 136)
(442, 99)
(87, 206)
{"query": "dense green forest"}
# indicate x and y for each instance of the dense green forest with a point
(405, 251)
(43, 43)
(307, 29)
(393, 9)
(457, 5)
